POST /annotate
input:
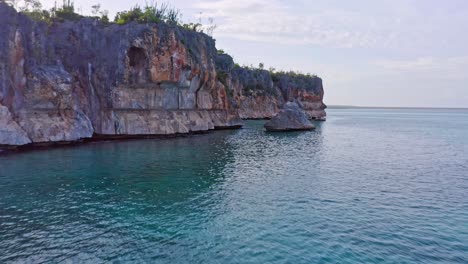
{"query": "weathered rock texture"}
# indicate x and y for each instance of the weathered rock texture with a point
(259, 94)
(71, 80)
(291, 117)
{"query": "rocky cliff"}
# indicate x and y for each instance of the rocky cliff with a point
(259, 94)
(71, 80)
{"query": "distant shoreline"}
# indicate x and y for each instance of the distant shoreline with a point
(393, 107)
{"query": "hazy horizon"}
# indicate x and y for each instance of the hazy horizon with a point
(395, 107)
(404, 53)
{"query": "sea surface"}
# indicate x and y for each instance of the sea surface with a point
(367, 186)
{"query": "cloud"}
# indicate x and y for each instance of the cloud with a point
(282, 22)
(441, 67)
(277, 22)
(419, 64)
(398, 25)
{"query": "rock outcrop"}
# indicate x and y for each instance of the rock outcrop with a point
(71, 80)
(292, 117)
(259, 94)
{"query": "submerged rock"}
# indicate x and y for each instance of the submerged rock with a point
(291, 117)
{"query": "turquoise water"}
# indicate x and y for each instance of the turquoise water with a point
(368, 186)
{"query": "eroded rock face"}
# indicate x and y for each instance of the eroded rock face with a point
(71, 80)
(10, 132)
(307, 91)
(291, 118)
(259, 94)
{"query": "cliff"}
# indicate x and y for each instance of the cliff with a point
(71, 80)
(259, 94)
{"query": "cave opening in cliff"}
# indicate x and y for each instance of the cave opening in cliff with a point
(137, 62)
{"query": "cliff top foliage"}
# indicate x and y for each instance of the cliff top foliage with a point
(149, 13)
(275, 74)
(293, 74)
(33, 9)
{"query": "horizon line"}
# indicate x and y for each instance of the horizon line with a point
(397, 107)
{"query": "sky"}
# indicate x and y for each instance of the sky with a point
(402, 53)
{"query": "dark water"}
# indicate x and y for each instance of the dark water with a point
(368, 186)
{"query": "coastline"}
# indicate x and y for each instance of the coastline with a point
(99, 138)
(165, 79)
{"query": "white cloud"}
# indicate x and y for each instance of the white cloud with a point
(451, 67)
(418, 64)
(274, 21)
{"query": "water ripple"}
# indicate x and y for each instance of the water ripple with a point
(368, 186)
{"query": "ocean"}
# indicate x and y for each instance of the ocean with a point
(367, 186)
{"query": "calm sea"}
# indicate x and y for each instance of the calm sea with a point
(367, 186)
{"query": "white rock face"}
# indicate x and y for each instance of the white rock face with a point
(10, 132)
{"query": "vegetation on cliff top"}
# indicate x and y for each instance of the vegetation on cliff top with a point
(258, 80)
(293, 74)
(150, 13)
(33, 9)
(275, 74)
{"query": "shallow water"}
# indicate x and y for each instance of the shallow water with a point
(367, 186)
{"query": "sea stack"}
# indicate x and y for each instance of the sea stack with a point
(291, 118)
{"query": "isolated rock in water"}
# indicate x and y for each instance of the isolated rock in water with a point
(291, 117)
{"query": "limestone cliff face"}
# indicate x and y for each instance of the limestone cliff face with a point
(259, 94)
(72, 80)
(307, 91)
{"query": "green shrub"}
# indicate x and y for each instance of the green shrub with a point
(149, 14)
(39, 15)
(104, 18)
(66, 12)
(197, 27)
(125, 17)
(173, 16)
(275, 75)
